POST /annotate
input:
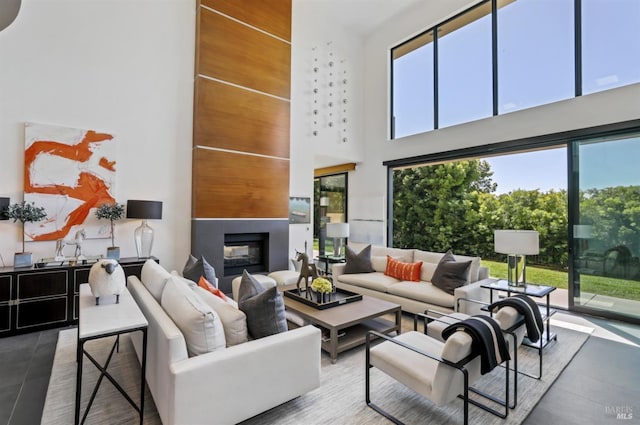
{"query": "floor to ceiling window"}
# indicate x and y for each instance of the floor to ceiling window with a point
(606, 231)
(330, 206)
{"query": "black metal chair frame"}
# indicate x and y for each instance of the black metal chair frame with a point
(459, 366)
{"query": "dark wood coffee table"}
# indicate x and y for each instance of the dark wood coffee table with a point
(354, 319)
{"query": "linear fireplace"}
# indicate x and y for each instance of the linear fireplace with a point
(232, 245)
(245, 251)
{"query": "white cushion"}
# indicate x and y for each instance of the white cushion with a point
(422, 291)
(154, 277)
(285, 277)
(430, 261)
(234, 321)
(199, 323)
(374, 280)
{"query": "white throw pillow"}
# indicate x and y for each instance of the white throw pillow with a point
(154, 277)
(199, 323)
(234, 321)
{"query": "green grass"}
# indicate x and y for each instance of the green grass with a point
(620, 288)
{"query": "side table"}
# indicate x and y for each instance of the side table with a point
(537, 291)
(101, 321)
(330, 259)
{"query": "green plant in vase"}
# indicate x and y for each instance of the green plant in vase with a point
(25, 212)
(112, 212)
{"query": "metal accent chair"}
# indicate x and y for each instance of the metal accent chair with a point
(439, 371)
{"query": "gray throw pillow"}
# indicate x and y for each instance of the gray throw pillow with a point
(264, 310)
(194, 268)
(249, 286)
(450, 274)
(358, 263)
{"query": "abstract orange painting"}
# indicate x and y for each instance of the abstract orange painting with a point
(69, 172)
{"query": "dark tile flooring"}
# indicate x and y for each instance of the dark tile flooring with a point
(601, 380)
(25, 367)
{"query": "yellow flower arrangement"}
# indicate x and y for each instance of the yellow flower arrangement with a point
(322, 285)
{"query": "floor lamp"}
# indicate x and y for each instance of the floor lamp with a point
(516, 244)
(143, 235)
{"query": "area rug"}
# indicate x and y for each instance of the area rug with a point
(339, 400)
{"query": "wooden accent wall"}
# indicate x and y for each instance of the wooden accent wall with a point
(242, 109)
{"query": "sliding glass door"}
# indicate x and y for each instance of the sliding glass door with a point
(606, 225)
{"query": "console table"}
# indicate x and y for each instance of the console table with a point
(33, 299)
(102, 321)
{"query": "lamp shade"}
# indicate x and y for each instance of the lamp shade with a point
(4, 204)
(338, 230)
(146, 210)
(516, 242)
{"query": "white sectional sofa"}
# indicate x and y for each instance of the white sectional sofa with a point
(413, 297)
(228, 385)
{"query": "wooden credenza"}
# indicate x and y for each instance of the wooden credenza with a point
(32, 299)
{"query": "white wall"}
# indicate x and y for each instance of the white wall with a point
(370, 181)
(122, 67)
(313, 27)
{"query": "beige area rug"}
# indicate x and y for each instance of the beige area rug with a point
(339, 400)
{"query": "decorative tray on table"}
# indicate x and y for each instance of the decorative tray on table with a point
(333, 299)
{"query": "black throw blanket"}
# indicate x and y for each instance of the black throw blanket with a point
(488, 340)
(528, 308)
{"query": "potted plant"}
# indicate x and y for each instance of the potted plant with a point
(24, 212)
(111, 212)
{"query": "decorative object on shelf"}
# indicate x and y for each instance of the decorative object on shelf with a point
(4, 205)
(112, 212)
(25, 212)
(143, 235)
(106, 277)
(69, 171)
(78, 240)
(323, 288)
(307, 271)
(516, 244)
(337, 231)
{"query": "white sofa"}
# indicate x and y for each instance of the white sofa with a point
(225, 386)
(413, 297)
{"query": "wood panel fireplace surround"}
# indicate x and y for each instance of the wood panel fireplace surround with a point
(231, 246)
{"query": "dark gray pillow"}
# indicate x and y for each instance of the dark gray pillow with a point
(194, 268)
(450, 274)
(249, 286)
(265, 312)
(360, 262)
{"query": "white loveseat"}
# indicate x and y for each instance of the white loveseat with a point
(224, 386)
(413, 297)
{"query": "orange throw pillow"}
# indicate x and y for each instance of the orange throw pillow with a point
(205, 284)
(403, 271)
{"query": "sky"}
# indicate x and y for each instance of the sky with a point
(544, 170)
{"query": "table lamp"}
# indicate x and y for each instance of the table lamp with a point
(516, 244)
(337, 231)
(143, 235)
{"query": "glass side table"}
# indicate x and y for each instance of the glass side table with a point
(330, 259)
(537, 291)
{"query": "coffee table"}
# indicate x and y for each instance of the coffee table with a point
(354, 319)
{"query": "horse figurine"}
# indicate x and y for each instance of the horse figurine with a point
(306, 271)
(78, 240)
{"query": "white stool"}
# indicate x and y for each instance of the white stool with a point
(265, 281)
(285, 277)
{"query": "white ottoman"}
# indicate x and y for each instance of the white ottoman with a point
(265, 281)
(285, 277)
